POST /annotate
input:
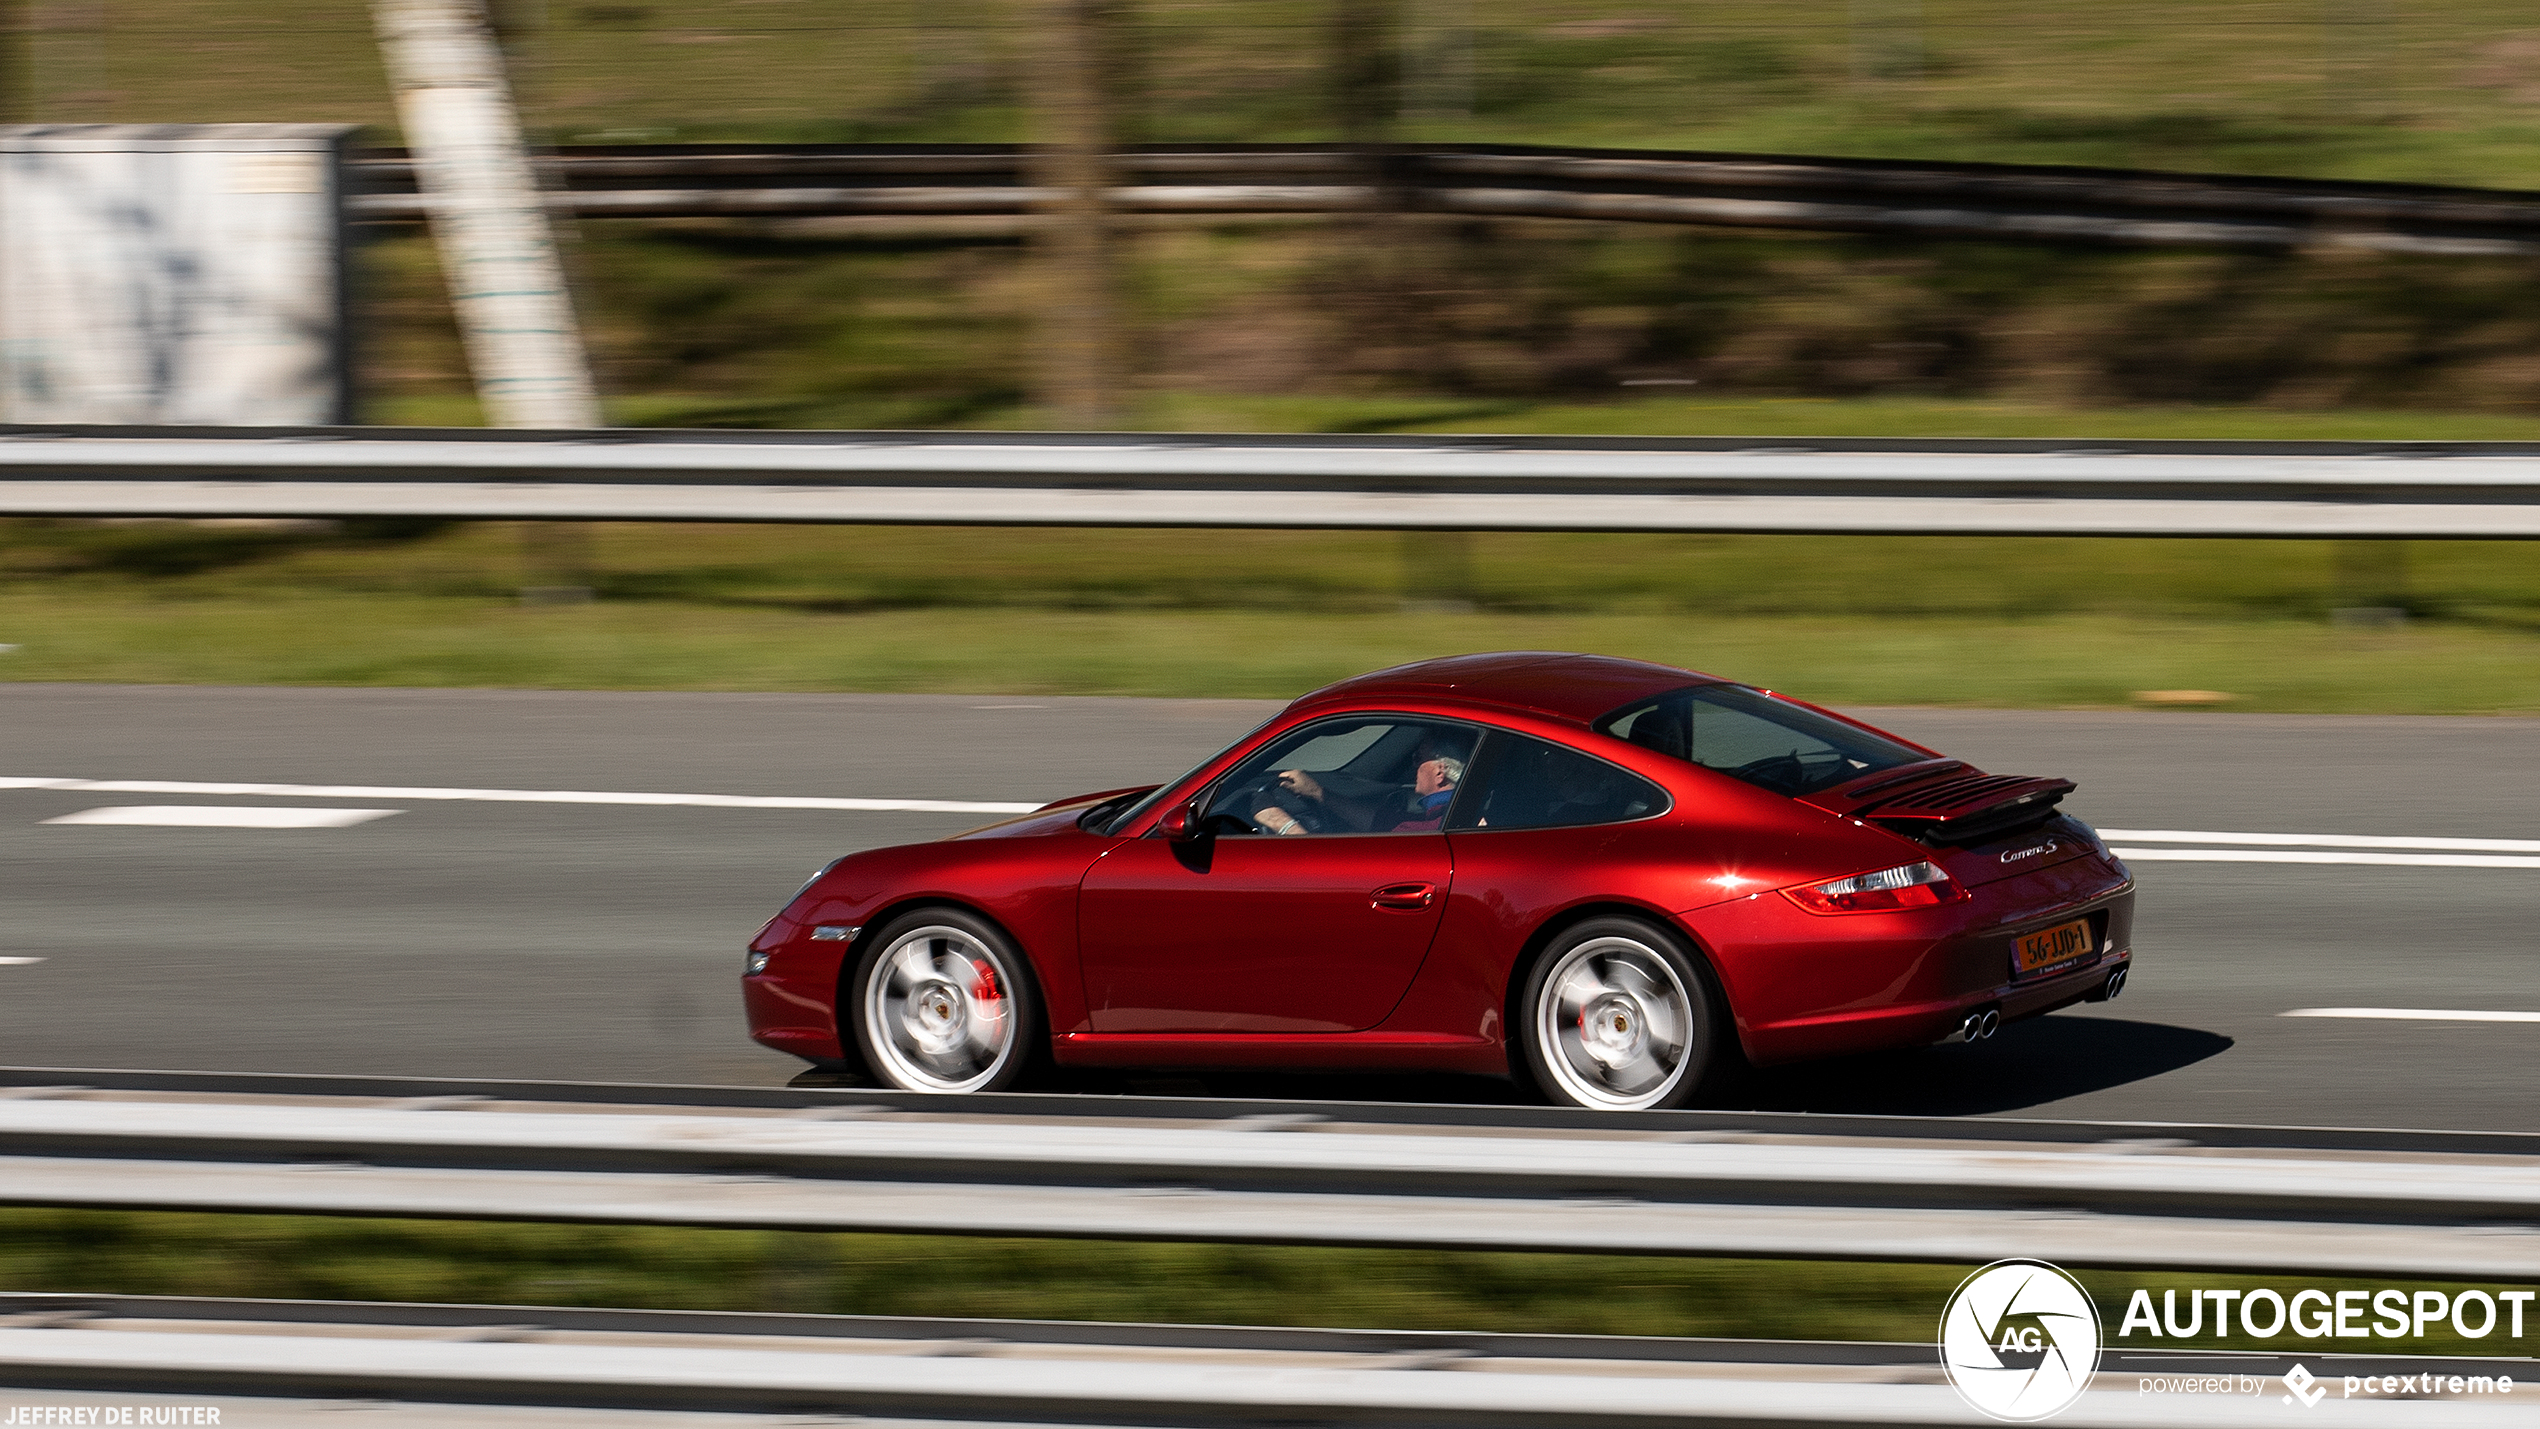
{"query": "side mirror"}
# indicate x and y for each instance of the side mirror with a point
(1181, 822)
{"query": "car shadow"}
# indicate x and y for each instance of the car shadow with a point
(2027, 1064)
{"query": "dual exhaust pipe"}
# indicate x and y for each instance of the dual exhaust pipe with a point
(1985, 1021)
(1979, 1024)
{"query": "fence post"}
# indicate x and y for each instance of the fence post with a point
(497, 251)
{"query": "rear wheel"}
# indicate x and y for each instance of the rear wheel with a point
(944, 1003)
(1617, 1016)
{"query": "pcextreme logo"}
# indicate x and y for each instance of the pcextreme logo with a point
(2020, 1340)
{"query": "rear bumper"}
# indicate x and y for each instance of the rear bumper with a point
(1912, 980)
(1922, 1023)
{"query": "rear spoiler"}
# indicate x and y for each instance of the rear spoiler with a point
(1947, 802)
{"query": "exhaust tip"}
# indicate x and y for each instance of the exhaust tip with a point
(1976, 1025)
(2116, 982)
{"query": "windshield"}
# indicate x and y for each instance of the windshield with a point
(1747, 734)
(1110, 816)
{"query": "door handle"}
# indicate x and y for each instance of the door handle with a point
(1408, 897)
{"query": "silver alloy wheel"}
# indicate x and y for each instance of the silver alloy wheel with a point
(937, 1011)
(1615, 1024)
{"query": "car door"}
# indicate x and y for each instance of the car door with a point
(1246, 930)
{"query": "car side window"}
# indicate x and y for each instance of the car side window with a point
(1749, 735)
(1358, 774)
(1526, 783)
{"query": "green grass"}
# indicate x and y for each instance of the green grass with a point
(2083, 660)
(1874, 417)
(150, 1253)
(1820, 417)
(1971, 620)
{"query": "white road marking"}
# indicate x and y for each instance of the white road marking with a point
(2413, 1014)
(18, 962)
(2253, 855)
(516, 796)
(2194, 836)
(2392, 851)
(223, 816)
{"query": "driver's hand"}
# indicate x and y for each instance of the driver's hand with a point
(1278, 821)
(1297, 781)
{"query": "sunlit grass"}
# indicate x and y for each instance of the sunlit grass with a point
(2080, 660)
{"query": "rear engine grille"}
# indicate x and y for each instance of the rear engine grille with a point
(1950, 796)
(1972, 808)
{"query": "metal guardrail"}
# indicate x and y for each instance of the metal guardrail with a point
(2424, 489)
(1043, 1372)
(2102, 1196)
(2001, 201)
(819, 1091)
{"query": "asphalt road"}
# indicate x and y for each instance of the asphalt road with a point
(600, 942)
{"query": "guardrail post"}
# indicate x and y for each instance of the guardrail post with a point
(2371, 584)
(497, 251)
(1437, 572)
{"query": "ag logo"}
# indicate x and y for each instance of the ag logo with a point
(2020, 1340)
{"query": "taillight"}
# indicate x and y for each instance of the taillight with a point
(1916, 885)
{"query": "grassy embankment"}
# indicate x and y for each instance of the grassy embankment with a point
(2435, 92)
(824, 325)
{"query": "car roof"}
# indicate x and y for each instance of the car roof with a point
(1554, 682)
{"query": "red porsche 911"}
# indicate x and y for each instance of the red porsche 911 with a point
(1604, 878)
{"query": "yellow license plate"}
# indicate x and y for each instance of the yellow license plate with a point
(2053, 947)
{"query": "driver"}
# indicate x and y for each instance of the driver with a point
(1332, 802)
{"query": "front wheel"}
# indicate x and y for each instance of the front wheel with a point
(1617, 1016)
(944, 1003)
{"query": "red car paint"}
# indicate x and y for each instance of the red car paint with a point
(1279, 952)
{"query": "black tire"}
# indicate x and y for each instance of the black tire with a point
(1618, 1014)
(942, 1001)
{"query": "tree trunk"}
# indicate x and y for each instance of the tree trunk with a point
(1082, 367)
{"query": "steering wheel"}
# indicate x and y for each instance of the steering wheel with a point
(1231, 812)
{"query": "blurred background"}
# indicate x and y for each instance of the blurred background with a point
(1387, 318)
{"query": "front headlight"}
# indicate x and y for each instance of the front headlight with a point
(755, 963)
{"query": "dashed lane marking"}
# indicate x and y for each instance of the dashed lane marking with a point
(393, 794)
(2387, 860)
(2414, 1014)
(223, 816)
(2370, 841)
